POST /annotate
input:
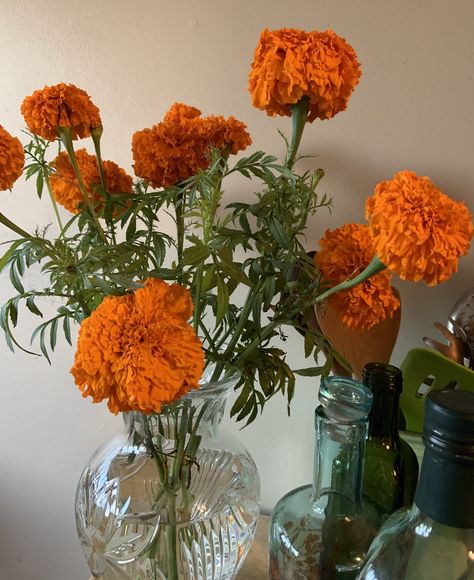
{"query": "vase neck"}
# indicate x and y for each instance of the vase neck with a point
(198, 413)
(338, 459)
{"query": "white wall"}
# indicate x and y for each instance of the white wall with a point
(413, 109)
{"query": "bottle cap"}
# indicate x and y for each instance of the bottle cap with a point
(382, 375)
(444, 490)
(449, 422)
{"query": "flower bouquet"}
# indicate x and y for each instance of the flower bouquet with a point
(170, 324)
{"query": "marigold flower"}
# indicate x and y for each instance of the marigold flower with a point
(344, 253)
(138, 350)
(63, 105)
(418, 231)
(178, 147)
(65, 185)
(289, 64)
(12, 159)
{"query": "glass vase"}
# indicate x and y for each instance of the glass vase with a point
(171, 497)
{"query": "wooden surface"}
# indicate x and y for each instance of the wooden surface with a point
(255, 566)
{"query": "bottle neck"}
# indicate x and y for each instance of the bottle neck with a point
(384, 415)
(338, 458)
(445, 488)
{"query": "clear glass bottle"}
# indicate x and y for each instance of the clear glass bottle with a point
(391, 466)
(434, 540)
(322, 531)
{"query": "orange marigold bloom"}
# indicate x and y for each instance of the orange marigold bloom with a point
(344, 253)
(12, 159)
(65, 185)
(418, 231)
(178, 147)
(289, 64)
(138, 350)
(63, 105)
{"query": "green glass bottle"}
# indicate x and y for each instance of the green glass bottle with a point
(323, 531)
(434, 539)
(391, 465)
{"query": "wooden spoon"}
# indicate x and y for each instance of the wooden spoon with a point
(359, 348)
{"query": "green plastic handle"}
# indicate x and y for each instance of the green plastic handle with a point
(425, 370)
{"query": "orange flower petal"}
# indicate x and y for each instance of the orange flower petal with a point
(344, 253)
(138, 350)
(418, 231)
(62, 105)
(290, 63)
(178, 147)
(65, 185)
(12, 159)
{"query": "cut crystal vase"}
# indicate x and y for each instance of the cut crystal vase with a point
(173, 496)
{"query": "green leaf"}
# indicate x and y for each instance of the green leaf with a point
(233, 270)
(244, 224)
(131, 228)
(39, 184)
(240, 401)
(196, 254)
(247, 409)
(13, 312)
(67, 329)
(269, 289)
(257, 311)
(308, 343)
(265, 382)
(278, 233)
(30, 303)
(43, 348)
(53, 333)
(9, 253)
(309, 372)
(209, 279)
(222, 300)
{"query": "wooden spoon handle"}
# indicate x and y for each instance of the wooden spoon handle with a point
(359, 348)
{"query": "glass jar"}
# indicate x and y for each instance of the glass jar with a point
(323, 531)
(172, 496)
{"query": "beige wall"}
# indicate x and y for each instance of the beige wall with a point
(413, 109)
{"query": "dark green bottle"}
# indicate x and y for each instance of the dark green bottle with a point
(391, 466)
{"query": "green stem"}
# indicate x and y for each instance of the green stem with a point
(197, 297)
(207, 336)
(299, 116)
(373, 268)
(244, 314)
(237, 331)
(156, 455)
(181, 443)
(180, 201)
(96, 134)
(65, 136)
(53, 201)
(171, 536)
(12, 226)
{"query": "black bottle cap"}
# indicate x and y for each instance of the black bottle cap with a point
(449, 422)
(382, 375)
(445, 488)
